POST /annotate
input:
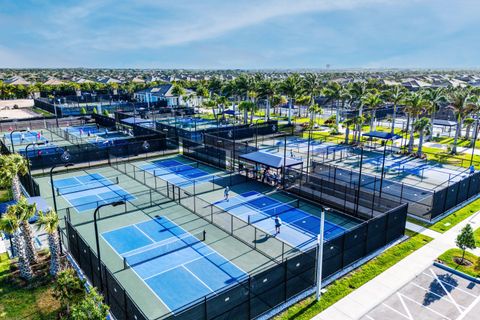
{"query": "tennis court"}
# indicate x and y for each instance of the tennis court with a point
(299, 228)
(88, 191)
(177, 173)
(25, 137)
(176, 265)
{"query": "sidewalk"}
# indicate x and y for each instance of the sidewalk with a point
(360, 301)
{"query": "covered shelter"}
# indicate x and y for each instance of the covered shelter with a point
(264, 162)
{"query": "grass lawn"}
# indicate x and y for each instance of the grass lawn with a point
(448, 258)
(309, 307)
(476, 233)
(450, 221)
(42, 112)
(21, 301)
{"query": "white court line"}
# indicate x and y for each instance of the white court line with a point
(428, 308)
(429, 291)
(395, 310)
(405, 306)
(200, 280)
(456, 288)
(369, 317)
(141, 279)
(446, 291)
(146, 235)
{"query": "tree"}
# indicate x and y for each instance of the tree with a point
(461, 102)
(49, 222)
(420, 126)
(415, 105)
(11, 166)
(395, 95)
(68, 289)
(348, 123)
(248, 106)
(83, 111)
(358, 91)
(24, 212)
(266, 90)
(292, 88)
(373, 101)
(106, 113)
(10, 224)
(468, 122)
(91, 307)
(178, 91)
(435, 97)
(465, 240)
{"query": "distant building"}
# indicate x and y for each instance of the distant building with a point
(108, 80)
(17, 80)
(164, 93)
(53, 82)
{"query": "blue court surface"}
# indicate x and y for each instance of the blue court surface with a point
(177, 173)
(25, 137)
(88, 191)
(178, 267)
(299, 229)
(42, 150)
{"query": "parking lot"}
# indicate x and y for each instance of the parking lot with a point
(433, 294)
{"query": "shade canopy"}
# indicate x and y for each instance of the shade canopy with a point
(446, 123)
(382, 135)
(42, 205)
(270, 160)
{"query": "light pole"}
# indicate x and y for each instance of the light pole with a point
(383, 166)
(28, 161)
(55, 201)
(11, 137)
(320, 253)
(113, 204)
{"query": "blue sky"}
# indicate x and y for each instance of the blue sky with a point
(240, 34)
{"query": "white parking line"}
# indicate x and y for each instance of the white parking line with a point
(446, 291)
(405, 306)
(429, 291)
(436, 312)
(456, 288)
(396, 311)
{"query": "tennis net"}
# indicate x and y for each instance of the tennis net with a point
(161, 248)
(273, 210)
(100, 183)
(173, 169)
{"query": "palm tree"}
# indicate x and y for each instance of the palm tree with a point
(266, 90)
(358, 91)
(469, 123)
(373, 101)
(292, 88)
(178, 91)
(436, 98)
(10, 224)
(49, 222)
(212, 104)
(24, 212)
(312, 85)
(314, 109)
(246, 107)
(11, 166)
(461, 102)
(415, 105)
(348, 123)
(420, 126)
(395, 95)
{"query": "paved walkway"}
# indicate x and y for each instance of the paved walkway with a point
(359, 302)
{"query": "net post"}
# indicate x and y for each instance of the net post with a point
(231, 224)
(204, 234)
(125, 264)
